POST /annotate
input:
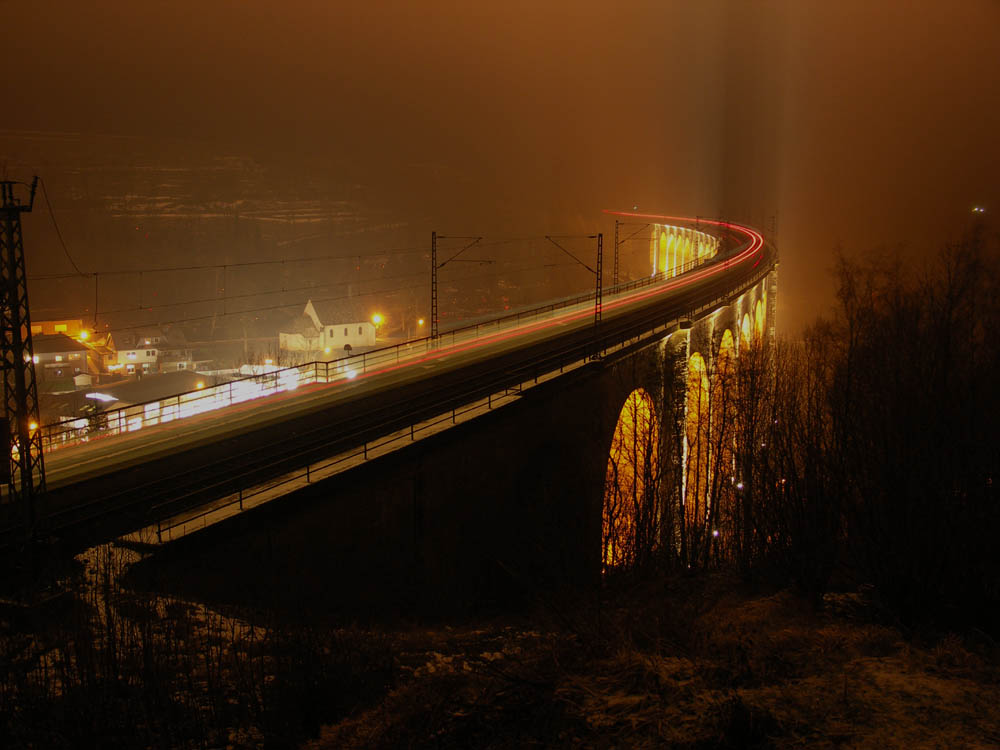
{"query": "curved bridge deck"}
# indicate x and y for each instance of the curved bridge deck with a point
(136, 478)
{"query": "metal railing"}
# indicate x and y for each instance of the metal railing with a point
(192, 500)
(78, 430)
(247, 495)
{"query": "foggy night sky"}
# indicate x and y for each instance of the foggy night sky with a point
(857, 123)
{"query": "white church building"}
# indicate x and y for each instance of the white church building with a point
(334, 326)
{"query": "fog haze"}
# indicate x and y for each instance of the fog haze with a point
(852, 124)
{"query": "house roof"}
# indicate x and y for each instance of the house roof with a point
(340, 311)
(56, 342)
(302, 324)
(170, 336)
(153, 387)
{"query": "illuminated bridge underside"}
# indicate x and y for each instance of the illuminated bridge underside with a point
(698, 497)
(123, 482)
(673, 249)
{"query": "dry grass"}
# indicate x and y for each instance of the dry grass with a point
(688, 664)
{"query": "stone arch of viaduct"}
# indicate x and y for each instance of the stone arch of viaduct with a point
(500, 506)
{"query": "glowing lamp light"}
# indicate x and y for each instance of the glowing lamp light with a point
(33, 426)
(84, 335)
(199, 385)
(268, 361)
(377, 319)
(351, 374)
(326, 351)
(35, 359)
(420, 321)
(739, 485)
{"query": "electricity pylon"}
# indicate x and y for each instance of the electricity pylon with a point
(23, 468)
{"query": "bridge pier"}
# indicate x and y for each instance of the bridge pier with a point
(505, 504)
(491, 510)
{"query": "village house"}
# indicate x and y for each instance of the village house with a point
(149, 350)
(72, 327)
(330, 327)
(59, 358)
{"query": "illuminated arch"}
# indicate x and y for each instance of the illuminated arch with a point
(746, 331)
(631, 510)
(722, 391)
(758, 319)
(662, 259)
(722, 455)
(727, 348)
(696, 435)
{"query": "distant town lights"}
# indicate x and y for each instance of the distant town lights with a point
(978, 210)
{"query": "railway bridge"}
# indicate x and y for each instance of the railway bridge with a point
(513, 450)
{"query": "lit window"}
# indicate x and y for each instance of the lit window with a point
(58, 358)
(35, 329)
(131, 355)
(60, 328)
(151, 352)
(74, 356)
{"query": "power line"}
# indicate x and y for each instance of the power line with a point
(55, 224)
(571, 254)
(231, 297)
(228, 297)
(291, 305)
(368, 255)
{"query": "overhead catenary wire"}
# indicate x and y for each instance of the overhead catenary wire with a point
(55, 224)
(550, 239)
(268, 308)
(288, 290)
(298, 303)
(367, 255)
(503, 268)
